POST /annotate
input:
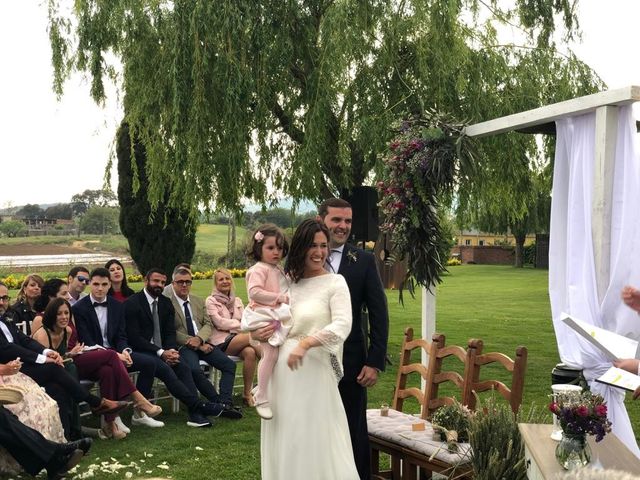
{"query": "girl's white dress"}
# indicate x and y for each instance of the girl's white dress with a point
(308, 437)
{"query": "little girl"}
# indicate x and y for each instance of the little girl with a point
(268, 303)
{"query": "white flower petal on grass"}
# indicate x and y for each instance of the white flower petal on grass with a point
(199, 448)
(128, 475)
(149, 471)
(163, 466)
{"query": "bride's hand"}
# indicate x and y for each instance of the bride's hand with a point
(295, 357)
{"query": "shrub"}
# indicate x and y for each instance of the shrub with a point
(454, 262)
(13, 228)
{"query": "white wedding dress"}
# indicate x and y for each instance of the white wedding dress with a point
(308, 436)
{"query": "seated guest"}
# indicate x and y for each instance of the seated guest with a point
(56, 335)
(45, 367)
(193, 329)
(34, 452)
(24, 308)
(36, 410)
(52, 288)
(151, 331)
(77, 279)
(225, 311)
(96, 314)
(118, 277)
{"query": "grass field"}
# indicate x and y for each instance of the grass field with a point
(212, 239)
(505, 307)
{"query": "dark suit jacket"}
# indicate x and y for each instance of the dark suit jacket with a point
(23, 346)
(359, 270)
(139, 323)
(199, 312)
(88, 326)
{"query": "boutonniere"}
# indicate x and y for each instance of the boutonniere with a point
(352, 256)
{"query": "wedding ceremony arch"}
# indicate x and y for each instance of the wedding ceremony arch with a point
(594, 230)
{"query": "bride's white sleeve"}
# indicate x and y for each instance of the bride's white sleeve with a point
(333, 335)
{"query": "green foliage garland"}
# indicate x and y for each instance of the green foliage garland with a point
(425, 158)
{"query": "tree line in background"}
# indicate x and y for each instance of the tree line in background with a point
(93, 212)
(311, 89)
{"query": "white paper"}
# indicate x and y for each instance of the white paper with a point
(620, 378)
(614, 346)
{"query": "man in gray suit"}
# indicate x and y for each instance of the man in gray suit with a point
(193, 329)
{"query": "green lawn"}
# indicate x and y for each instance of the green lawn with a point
(212, 239)
(111, 243)
(505, 307)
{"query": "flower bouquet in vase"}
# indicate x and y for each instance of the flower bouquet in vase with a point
(580, 414)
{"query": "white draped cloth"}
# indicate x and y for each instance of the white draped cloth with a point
(572, 270)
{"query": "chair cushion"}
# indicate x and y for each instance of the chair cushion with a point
(396, 428)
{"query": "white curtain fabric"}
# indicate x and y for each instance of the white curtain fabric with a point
(572, 273)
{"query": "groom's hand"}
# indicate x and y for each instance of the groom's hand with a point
(368, 376)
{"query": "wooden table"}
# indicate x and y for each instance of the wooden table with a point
(609, 454)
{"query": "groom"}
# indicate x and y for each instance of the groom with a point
(361, 362)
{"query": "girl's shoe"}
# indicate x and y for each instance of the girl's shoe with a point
(264, 410)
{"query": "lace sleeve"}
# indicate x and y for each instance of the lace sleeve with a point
(333, 335)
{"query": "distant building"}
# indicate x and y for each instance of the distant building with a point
(476, 238)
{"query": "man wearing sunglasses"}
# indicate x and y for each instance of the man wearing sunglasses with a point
(78, 280)
(193, 329)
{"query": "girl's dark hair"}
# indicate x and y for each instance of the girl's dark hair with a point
(48, 291)
(125, 289)
(51, 312)
(300, 244)
(267, 230)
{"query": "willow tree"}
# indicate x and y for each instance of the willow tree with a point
(259, 98)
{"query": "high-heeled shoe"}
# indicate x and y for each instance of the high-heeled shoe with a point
(111, 430)
(147, 407)
(109, 406)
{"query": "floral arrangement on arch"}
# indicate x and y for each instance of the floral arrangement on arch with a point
(582, 413)
(425, 158)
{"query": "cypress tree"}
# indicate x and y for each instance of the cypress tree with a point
(160, 237)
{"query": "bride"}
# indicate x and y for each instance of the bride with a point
(308, 436)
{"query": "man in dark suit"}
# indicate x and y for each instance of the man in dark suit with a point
(34, 452)
(193, 329)
(151, 331)
(361, 362)
(100, 321)
(45, 367)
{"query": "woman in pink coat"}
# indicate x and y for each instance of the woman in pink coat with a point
(225, 311)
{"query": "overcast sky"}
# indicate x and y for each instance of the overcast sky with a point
(51, 150)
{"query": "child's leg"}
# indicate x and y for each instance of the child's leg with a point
(265, 369)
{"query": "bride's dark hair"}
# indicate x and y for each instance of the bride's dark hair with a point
(300, 244)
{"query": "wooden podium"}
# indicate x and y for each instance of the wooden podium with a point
(609, 454)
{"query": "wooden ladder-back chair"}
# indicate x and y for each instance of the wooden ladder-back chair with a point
(407, 368)
(432, 376)
(437, 376)
(516, 367)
